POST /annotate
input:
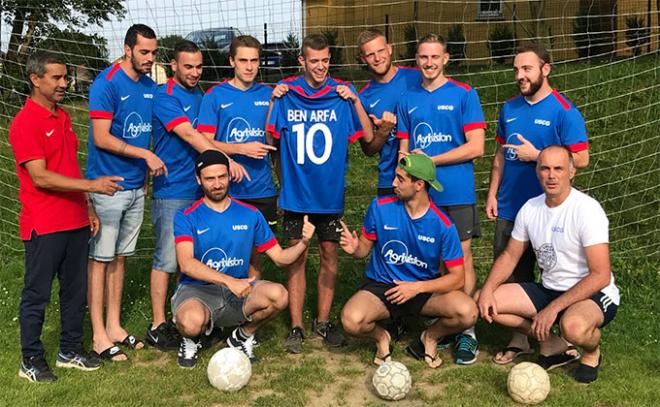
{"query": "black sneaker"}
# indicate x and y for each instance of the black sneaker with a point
(206, 341)
(35, 369)
(293, 342)
(78, 360)
(165, 337)
(244, 345)
(187, 356)
(330, 334)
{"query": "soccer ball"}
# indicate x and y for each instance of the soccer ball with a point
(528, 383)
(392, 381)
(229, 369)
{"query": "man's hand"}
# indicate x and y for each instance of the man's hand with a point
(241, 287)
(94, 221)
(256, 149)
(526, 151)
(404, 291)
(542, 323)
(348, 240)
(156, 165)
(417, 151)
(280, 90)
(384, 124)
(237, 171)
(346, 93)
(106, 185)
(491, 207)
(487, 305)
(307, 230)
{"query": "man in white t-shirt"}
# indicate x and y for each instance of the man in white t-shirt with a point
(568, 231)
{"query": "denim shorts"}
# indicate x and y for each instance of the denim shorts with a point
(162, 218)
(121, 217)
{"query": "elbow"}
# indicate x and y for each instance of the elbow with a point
(478, 151)
(582, 162)
(40, 181)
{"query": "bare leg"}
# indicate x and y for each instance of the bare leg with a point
(95, 300)
(579, 325)
(296, 286)
(192, 317)
(266, 301)
(359, 317)
(255, 265)
(159, 283)
(327, 278)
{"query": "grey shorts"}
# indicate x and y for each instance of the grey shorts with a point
(225, 308)
(466, 219)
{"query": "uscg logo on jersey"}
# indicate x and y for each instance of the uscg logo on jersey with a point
(134, 126)
(239, 130)
(217, 259)
(424, 136)
(510, 154)
(396, 252)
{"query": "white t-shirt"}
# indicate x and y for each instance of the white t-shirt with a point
(559, 235)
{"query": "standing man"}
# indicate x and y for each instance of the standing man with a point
(314, 123)
(568, 231)
(214, 241)
(177, 142)
(234, 114)
(120, 108)
(45, 148)
(537, 118)
(411, 237)
(443, 119)
(380, 97)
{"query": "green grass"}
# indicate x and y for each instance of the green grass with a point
(620, 103)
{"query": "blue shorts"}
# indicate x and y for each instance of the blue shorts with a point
(121, 217)
(162, 218)
(542, 296)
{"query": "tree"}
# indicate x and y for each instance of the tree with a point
(76, 48)
(335, 49)
(637, 34)
(290, 54)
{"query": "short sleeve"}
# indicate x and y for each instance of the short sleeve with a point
(26, 141)
(402, 120)
(500, 133)
(274, 125)
(207, 121)
(183, 228)
(101, 100)
(451, 251)
(573, 131)
(594, 225)
(519, 231)
(369, 228)
(473, 115)
(263, 235)
(168, 111)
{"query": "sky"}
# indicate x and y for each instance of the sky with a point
(180, 17)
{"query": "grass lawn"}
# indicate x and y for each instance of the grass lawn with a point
(620, 102)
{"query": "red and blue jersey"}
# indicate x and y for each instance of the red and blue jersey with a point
(223, 240)
(174, 105)
(128, 104)
(299, 83)
(238, 116)
(378, 98)
(314, 133)
(436, 122)
(408, 249)
(551, 121)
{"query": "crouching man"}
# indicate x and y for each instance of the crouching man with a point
(214, 239)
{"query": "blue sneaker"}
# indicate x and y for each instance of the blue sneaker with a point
(35, 369)
(466, 350)
(78, 360)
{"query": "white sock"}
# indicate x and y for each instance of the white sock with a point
(470, 332)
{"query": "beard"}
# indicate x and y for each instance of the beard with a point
(533, 87)
(215, 195)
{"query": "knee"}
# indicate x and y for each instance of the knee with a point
(574, 329)
(467, 312)
(351, 320)
(190, 324)
(279, 297)
(328, 254)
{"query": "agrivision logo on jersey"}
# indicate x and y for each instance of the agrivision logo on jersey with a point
(424, 136)
(134, 126)
(240, 131)
(218, 260)
(396, 252)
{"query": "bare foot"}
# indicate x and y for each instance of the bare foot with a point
(431, 356)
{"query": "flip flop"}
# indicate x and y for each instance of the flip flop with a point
(379, 360)
(430, 360)
(132, 342)
(559, 359)
(110, 353)
(517, 352)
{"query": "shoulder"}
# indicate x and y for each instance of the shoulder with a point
(290, 79)
(215, 89)
(109, 73)
(514, 101)
(365, 87)
(244, 206)
(440, 215)
(586, 203)
(460, 85)
(185, 212)
(386, 200)
(561, 100)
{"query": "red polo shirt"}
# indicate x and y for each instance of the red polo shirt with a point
(38, 134)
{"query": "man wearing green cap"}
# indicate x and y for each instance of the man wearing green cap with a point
(410, 237)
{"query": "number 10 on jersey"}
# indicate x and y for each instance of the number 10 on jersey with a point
(305, 143)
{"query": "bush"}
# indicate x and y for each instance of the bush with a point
(592, 34)
(336, 52)
(637, 34)
(501, 43)
(456, 44)
(410, 38)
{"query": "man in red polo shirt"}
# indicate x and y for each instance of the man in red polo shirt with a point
(45, 149)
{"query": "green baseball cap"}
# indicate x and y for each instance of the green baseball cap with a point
(420, 166)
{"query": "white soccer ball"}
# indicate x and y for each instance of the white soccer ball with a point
(528, 383)
(229, 369)
(392, 381)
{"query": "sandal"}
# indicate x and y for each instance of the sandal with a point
(110, 354)
(517, 352)
(132, 342)
(379, 360)
(559, 359)
(417, 350)
(431, 360)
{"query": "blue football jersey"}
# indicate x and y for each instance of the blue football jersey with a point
(238, 116)
(223, 240)
(298, 83)
(114, 96)
(552, 120)
(314, 133)
(174, 105)
(436, 122)
(378, 98)
(408, 249)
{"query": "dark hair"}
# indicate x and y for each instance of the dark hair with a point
(247, 41)
(432, 38)
(184, 46)
(368, 35)
(37, 61)
(315, 41)
(537, 48)
(138, 29)
(413, 178)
